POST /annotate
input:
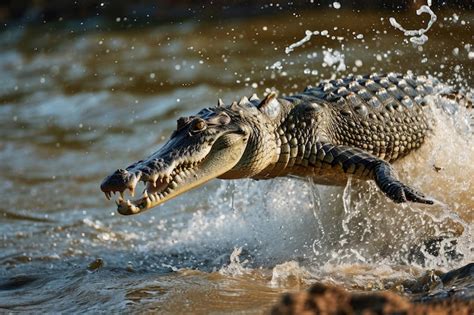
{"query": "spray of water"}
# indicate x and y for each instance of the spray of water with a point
(350, 234)
(418, 36)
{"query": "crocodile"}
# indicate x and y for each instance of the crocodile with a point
(355, 127)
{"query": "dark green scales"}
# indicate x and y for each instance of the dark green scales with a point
(353, 126)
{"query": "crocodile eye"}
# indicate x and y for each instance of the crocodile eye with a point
(199, 125)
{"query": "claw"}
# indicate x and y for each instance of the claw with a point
(415, 196)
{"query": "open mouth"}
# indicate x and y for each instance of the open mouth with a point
(158, 187)
(170, 172)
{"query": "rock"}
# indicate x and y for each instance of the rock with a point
(328, 299)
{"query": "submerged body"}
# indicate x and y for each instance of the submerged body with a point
(352, 127)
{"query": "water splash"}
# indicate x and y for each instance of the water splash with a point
(278, 220)
(235, 267)
(334, 57)
(418, 36)
(290, 271)
(306, 38)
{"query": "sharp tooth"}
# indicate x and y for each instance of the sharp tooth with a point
(133, 183)
(117, 202)
(167, 179)
(153, 179)
(145, 194)
(129, 203)
(107, 195)
(178, 178)
(173, 184)
(120, 199)
(135, 209)
(121, 194)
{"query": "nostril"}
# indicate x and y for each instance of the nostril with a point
(121, 171)
(116, 181)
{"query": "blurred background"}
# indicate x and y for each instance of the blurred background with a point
(87, 87)
(142, 12)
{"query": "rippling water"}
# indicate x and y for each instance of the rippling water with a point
(78, 102)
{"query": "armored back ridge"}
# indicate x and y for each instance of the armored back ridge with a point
(353, 126)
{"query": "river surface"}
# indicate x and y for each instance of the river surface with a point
(79, 100)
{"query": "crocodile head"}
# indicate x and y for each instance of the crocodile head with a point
(217, 142)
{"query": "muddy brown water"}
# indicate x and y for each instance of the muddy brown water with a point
(78, 102)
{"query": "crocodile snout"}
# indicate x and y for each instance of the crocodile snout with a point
(120, 181)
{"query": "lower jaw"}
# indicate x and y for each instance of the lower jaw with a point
(140, 205)
(152, 197)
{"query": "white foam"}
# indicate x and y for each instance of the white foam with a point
(290, 271)
(235, 267)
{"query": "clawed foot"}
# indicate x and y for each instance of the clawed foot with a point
(400, 193)
(394, 189)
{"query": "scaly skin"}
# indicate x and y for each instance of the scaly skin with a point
(352, 127)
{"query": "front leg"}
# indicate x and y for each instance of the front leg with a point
(363, 165)
(394, 189)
